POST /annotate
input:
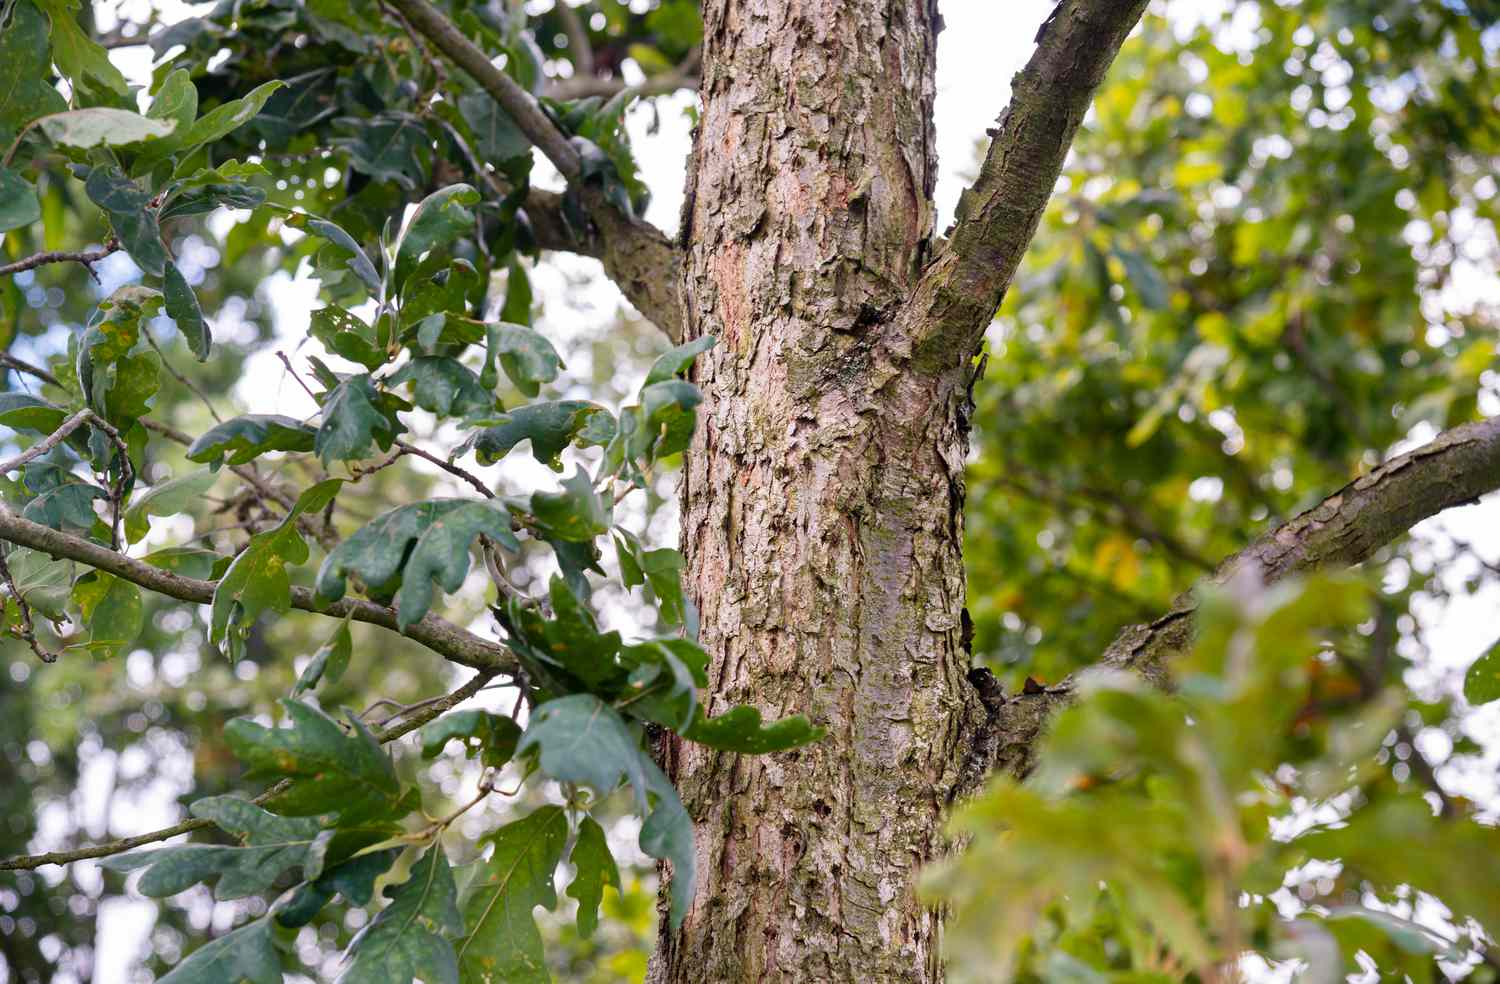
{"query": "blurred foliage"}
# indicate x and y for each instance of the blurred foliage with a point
(1274, 804)
(1257, 277)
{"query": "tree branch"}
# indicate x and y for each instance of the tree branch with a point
(87, 257)
(960, 290)
(422, 714)
(1345, 529)
(636, 255)
(439, 635)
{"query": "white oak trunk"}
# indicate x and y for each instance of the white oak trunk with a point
(823, 503)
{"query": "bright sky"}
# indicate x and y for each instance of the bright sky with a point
(985, 42)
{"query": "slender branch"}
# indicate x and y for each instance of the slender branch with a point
(324, 533)
(578, 39)
(426, 713)
(520, 105)
(439, 635)
(581, 85)
(960, 290)
(26, 631)
(87, 257)
(49, 442)
(449, 467)
(11, 362)
(636, 255)
(1345, 529)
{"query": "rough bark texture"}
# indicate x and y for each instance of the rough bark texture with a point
(823, 501)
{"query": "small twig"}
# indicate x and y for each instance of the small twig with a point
(11, 362)
(404, 709)
(288, 363)
(325, 534)
(49, 442)
(578, 39)
(360, 472)
(87, 257)
(124, 477)
(26, 630)
(448, 467)
(384, 736)
(191, 386)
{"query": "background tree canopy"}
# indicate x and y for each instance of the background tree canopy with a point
(1268, 270)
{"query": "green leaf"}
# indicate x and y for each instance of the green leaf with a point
(583, 740)
(176, 100)
(503, 945)
(445, 386)
(226, 118)
(111, 609)
(19, 206)
(667, 418)
(78, 56)
(270, 845)
(337, 771)
(243, 439)
(346, 335)
(677, 361)
(22, 411)
(330, 661)
(576, 513)
(165, 499)
(182, 307)
(411, 547)
(1482, 681)
(102, 126)
(1145, 279)
(527, 358)
(660, 569)
(442, 217)
(492, 737)
(68, 507)
(355, 421)
(203, 198)
(595, 868)
(131, 216)
(187, 561)
(355, 259)
(569, 641)
(496, 136)
(408, 939)
(25, 70)
(740, 730)
(550, 426)
(354, 879)
(387, 147)
(246, 954)
(44, 583)
(257, 580)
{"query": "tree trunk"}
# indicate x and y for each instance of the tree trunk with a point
(823, 500)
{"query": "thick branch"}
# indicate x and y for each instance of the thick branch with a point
(442, 637)
(1345, 529)
(418, 718)
(637, 256)
(962, 287)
